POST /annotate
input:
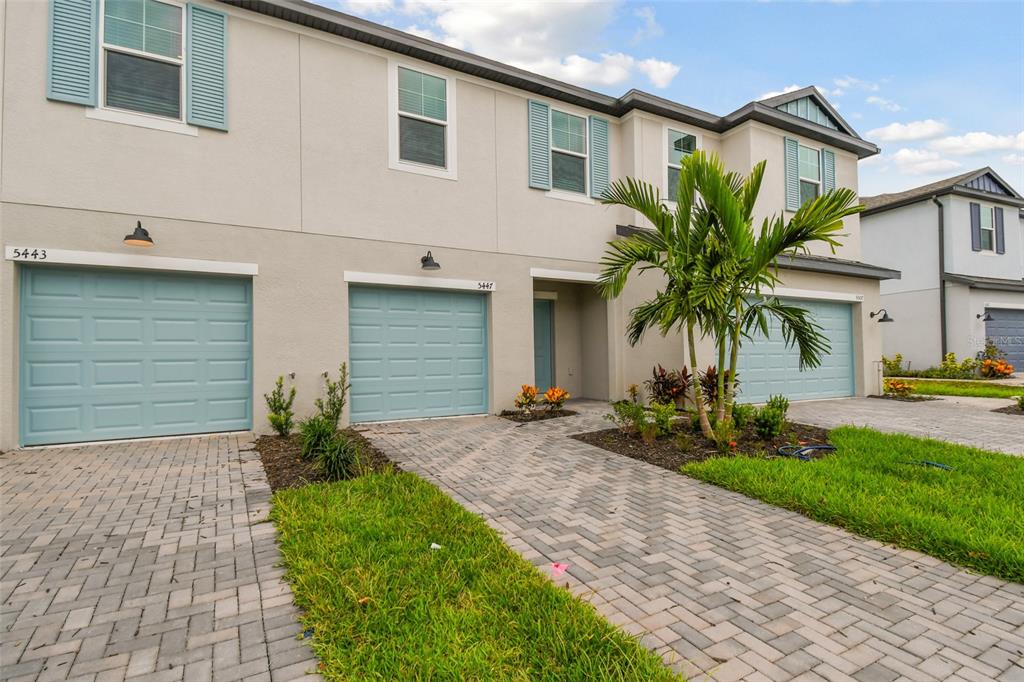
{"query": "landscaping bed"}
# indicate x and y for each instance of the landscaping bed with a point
(535, 416)
(877, 485)
(285, 467)
(1010, 409)
(396, 581)
(686, 446)
(905, 398)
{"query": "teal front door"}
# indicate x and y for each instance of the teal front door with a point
(543, 344)
(766, 366)
(416, 353)
(109, 354)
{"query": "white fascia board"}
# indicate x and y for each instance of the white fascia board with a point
(564, 275)
(816, 295)
(43, 256)
(386, 279)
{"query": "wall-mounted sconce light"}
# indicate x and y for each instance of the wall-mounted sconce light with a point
(140, 237)
(884, 315)
(428, 262)
(984, 317)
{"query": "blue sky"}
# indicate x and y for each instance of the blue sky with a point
(939, 86)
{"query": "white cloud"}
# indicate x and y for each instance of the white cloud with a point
(977, 143)
(922, 162)
(367, 6)
(883, 103)
(776, 93)
(1014, 159)
(650, 28)
(845, 83)
(559, 39)
(904, 132)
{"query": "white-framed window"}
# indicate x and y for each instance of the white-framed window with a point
(142, 57)
(988, 230)
(568, 152)
(422, 117)
(678, 144)
(810, 174)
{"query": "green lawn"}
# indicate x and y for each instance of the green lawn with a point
(383, 605)
(972, 515)
(978, 389)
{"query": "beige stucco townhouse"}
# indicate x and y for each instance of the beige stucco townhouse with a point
(301, 174)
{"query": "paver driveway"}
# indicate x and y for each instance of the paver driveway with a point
(714, 581)
(148, 560)
(968, 421)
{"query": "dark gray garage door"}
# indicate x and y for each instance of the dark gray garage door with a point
(1006, 330)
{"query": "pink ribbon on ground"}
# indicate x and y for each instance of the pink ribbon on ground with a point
(559, 569)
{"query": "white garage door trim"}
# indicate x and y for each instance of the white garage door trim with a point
(23, 254)
(387, 279)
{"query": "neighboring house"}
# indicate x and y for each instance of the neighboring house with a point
(960, 246)
(300, 173)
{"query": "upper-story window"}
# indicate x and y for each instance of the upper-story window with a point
(568, 152)
(422, 122)
(143, 56)
(988, 230)
(810, 174)
(679, 145)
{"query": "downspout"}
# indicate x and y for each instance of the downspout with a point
(942, 275)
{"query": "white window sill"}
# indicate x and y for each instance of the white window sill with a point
(431, 171)
(141, 121)
(987, 252)
(569, 196)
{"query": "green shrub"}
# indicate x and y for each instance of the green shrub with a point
(769, 422)
(778, 402)
(316, 432)
(663, 414)
(893, 367)
(725, 436)
(332, 405)
(630, 417)
(1020, 402)
(695, 420)
(742, 415)
(339, 457)
(279, 408)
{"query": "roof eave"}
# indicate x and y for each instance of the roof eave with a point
(756, 111)
(985, 284)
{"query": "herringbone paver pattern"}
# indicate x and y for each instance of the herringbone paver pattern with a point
(143, 560)
(721, 585)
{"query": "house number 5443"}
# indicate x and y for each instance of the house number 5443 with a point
(29, 254)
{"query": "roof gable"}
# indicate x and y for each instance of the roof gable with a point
(991, 183)
(983, 183)
(809, 104)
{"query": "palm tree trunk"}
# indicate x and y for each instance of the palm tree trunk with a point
(720, 392)
(698, 397)
(734, 353)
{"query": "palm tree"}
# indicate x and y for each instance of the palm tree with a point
(716, 268)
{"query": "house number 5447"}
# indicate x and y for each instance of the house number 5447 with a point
(487, 286)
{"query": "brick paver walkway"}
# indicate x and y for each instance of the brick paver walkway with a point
(147, 560)
(723, 586)
(968, 421)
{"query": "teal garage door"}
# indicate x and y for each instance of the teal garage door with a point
(766, 366)
(416, 353)
(111, 354)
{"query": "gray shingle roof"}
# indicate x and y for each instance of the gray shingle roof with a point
(881, 202)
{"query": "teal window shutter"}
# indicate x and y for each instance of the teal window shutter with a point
(73, 51)
(207, 71)
(792, 164)
(598, 156)
(828, 170)
(540, 145)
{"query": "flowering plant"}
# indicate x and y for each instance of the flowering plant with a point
(555, 398)
(898, 388)
(526, 401)
(996, 368)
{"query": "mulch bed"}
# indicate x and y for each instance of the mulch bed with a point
(535, 416)
(686, 446)
(1010, 409)
(282, 460)
(906, 398)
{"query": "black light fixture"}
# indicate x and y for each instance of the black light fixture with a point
(884, 315)
(428, 262)
(984, 317)
(140, 237)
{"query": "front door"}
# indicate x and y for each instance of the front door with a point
(543, 344)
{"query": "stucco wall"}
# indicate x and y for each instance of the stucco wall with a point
(964, 261)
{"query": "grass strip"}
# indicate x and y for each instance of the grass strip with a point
(972, 516)
(383, 605)
(976, 389)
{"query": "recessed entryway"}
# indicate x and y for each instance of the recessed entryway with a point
(416, 353)
(108, 354)
(544, 344)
